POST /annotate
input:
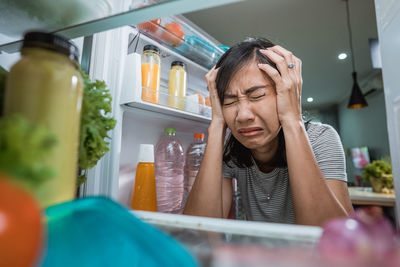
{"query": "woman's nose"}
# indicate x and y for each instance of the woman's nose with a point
(244, 111)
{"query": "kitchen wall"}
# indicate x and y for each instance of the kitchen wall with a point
(327, 115)
(364, 127)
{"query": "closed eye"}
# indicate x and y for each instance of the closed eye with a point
(230, 103)
(257, 96)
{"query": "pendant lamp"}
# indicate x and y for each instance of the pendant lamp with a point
(357, 99)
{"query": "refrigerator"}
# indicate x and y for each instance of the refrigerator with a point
(111, 48)
(138, 121)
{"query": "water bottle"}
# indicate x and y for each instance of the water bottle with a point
(169, 163)
(194, 155)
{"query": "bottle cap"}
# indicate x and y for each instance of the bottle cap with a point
(199, 135)
(169, 131)
(52, 42)
(146, 153)
(151, 48)
(177, 63)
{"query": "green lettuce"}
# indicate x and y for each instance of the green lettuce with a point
(95, 124)
(23, 149)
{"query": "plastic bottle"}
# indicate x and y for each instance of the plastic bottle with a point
(169, 160)
(46, 87)
(144, 195)
(177, 85)
(151, 72)
(194, 156)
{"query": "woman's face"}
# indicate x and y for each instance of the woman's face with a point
(249, 107)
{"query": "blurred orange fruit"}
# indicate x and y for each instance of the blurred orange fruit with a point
(21, 231)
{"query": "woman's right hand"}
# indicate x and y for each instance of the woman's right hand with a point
(217, 117)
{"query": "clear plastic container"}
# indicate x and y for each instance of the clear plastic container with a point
(151, 71)
(177, 85)
(194, 156)
(198, 50)
(169, 161)
(183, 39)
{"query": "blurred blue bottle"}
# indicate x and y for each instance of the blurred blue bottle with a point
(98, 232)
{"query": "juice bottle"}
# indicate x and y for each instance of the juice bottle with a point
(45, 87)
(144, 192)
(151, 74)
(177, 85)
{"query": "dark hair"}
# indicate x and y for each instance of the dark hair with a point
(230, 63)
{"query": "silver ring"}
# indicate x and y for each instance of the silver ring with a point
(290, 65)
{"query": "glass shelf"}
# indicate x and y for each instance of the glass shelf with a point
(87, 19)
(183, 107)
(189, 43)
(222, 242)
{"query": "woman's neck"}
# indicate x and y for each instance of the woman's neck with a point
(265, 154)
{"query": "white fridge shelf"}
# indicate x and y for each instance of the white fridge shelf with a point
(167, 111)
(299, 233)
(179, 107)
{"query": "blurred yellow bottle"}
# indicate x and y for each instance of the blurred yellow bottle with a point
(45, 87)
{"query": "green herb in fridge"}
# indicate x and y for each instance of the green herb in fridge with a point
(95, 124)
(23, 148)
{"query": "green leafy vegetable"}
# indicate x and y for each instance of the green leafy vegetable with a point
(95, 123)
(381, 172)
(23, 148)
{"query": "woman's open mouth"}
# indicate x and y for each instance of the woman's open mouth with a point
(251, 131)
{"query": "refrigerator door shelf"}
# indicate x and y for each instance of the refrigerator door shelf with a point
(174, 106)
(190, 109)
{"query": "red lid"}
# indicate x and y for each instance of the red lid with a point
(199, 135)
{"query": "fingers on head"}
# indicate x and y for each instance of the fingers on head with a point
(298, 66)
(270, 71)
(286, 54)
(212, 74)
(277, 58)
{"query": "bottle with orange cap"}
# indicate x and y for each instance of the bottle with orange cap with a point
(194, 156)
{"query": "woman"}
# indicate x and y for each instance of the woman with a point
(287, 172)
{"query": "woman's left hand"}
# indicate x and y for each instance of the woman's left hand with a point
(288, 82)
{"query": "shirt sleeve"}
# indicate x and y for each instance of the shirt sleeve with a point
(227, 172)
(328, 151)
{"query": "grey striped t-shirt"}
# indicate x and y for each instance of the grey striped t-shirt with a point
(267, 197)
